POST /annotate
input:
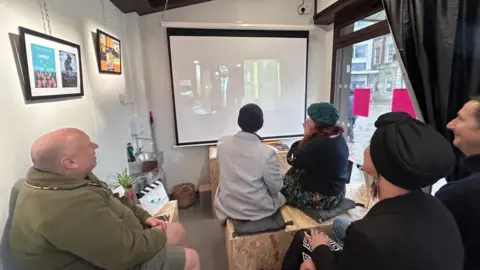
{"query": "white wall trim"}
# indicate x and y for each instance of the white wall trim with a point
(237, 26)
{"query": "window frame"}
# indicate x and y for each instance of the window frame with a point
(346, 18)
(364, 66)
(365, 50)
(377, 55)
(390, 53)
(349, 16)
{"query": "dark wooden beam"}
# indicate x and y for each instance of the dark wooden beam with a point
(344, 10)
(172, 4)
(143, 8)
(125, 6)
(379, 29)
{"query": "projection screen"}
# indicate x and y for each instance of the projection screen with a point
(215, 72)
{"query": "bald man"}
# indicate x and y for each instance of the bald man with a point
(65, 218)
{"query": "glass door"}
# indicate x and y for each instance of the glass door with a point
(370, 64)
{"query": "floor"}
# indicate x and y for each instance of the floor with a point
(205, 234)
(201, 210)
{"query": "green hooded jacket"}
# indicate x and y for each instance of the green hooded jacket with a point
(69, 223)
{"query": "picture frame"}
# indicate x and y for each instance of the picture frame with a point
(52, 67)
(109, 53)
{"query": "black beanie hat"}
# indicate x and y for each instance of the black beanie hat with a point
(409, 153)
(250, 118)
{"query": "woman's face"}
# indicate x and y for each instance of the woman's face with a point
(367, 162)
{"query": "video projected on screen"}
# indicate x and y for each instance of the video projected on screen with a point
(213, 77)
(227, 87)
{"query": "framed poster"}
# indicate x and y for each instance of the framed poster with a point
(108, 53)
(52, 66)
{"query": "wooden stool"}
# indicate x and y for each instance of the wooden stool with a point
(214, 174)
(171, 208)
(266, 250)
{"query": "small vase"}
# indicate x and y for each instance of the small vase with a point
(130, 194)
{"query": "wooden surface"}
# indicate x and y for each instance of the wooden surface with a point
(267, 250)
(170, 208)
(214, 175)
(215, 171)
(331, 13)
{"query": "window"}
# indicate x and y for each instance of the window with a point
(364, 23)
(390, 52)
(380, 78)
(376, 55)
(357, 84)
(360, 51)
(359, 66)
(364, 57)
(361, 24)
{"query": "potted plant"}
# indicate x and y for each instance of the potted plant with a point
(126, 181)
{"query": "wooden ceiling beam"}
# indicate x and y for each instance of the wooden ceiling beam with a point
(143, 8)
(341, 10)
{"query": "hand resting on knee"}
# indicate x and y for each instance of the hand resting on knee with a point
(175, 234)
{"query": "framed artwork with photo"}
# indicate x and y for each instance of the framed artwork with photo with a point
(52, 66)
(109, 55)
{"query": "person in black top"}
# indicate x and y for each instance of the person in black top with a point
(319, 162)
(462, 197)
(407, 228)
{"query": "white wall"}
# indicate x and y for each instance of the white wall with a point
(322, 4)
(99, 113)
(191, 164)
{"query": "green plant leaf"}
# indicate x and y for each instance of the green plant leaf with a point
(124, 179)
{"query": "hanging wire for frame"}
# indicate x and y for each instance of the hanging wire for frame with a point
(40, 2)
(301, 8)
(164, 10)
(47, 18)
(104, 16)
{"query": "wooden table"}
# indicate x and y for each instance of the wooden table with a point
(171, 208)
(215, 171)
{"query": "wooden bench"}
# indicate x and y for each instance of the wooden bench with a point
(267, 250)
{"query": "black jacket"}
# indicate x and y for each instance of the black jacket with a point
(324, 162)
(462, 198)
(413, 232)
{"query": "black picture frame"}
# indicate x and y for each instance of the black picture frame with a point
(102, 38)
(41, 85)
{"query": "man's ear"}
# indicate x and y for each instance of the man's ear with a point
(69, 163)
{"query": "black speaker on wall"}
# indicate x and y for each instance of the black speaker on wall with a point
(155, 3)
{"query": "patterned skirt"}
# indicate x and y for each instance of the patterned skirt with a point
(292, 190)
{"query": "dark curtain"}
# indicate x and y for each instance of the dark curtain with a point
(439, 45)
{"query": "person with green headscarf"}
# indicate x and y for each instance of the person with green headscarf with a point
(319, 162)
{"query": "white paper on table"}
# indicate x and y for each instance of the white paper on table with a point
(154, 200)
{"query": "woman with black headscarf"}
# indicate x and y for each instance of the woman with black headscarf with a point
(407, 228)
